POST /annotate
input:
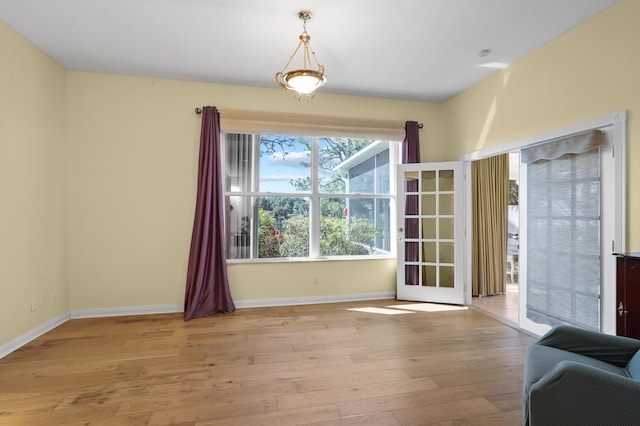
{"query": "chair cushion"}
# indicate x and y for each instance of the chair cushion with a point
(633, 367)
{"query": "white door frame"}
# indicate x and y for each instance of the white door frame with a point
(618, 137)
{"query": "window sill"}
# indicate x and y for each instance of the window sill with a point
(308, 259)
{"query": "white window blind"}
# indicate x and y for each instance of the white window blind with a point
(240, 178)
(563, 233)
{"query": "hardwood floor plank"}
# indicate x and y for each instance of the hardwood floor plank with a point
(478, 375)
(130, 420)
(261, 375)
(203, 397)
(443, 367)
(351, 393)
(430, 397)
(304, 416)
(288, 356)
(212, 410)
(70, 414)
(494, 419)
(358, 379)
(437, 413)
(381, 419)
(508, 401)
(65, 383)
(288, 365)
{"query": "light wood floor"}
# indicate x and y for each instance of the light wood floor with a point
(300, 365)
(502, 306)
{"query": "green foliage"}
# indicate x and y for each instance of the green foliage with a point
(332, 207)
(333, 152)
(268, 242)
(301, 184)
(513, 193)
(362, 232)
(338, 150)
(283, 207)
(291, 214)
(335, 241)
(296, 238)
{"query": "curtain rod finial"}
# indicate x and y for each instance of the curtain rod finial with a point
(198, 110)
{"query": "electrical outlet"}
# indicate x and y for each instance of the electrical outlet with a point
(34, 305)
(54, 297)
(316, 281)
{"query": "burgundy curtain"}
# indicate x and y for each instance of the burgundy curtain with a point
(411, 143)
(207, 289)
(411, 154)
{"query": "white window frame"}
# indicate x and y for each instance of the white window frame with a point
(314, 202)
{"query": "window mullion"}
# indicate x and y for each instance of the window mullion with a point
(255, 163)
(394, 159)
(314, 213)
(255, 183)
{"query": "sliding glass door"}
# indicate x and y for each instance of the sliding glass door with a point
(562, 233)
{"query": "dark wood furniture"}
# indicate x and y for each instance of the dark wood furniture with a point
(628, 294)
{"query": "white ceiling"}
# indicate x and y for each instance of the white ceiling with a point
(406, 49)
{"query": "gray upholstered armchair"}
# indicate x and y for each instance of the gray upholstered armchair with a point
(578, 377)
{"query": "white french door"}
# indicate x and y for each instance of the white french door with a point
(430, 232)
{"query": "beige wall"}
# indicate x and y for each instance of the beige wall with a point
(32, 187)
(133, 147)
(129, 151)
(589, 72)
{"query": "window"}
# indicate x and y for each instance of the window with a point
(307, 197)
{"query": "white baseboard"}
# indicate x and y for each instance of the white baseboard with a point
(20, 341)
(290, 301)
(131, 310)
(32, 334)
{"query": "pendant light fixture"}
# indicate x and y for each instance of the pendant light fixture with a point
(304, 81)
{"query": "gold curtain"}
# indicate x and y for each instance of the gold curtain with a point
(490, 198)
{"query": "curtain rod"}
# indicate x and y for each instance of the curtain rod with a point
(199, 111)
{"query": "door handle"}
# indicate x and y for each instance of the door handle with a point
(621, 310)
